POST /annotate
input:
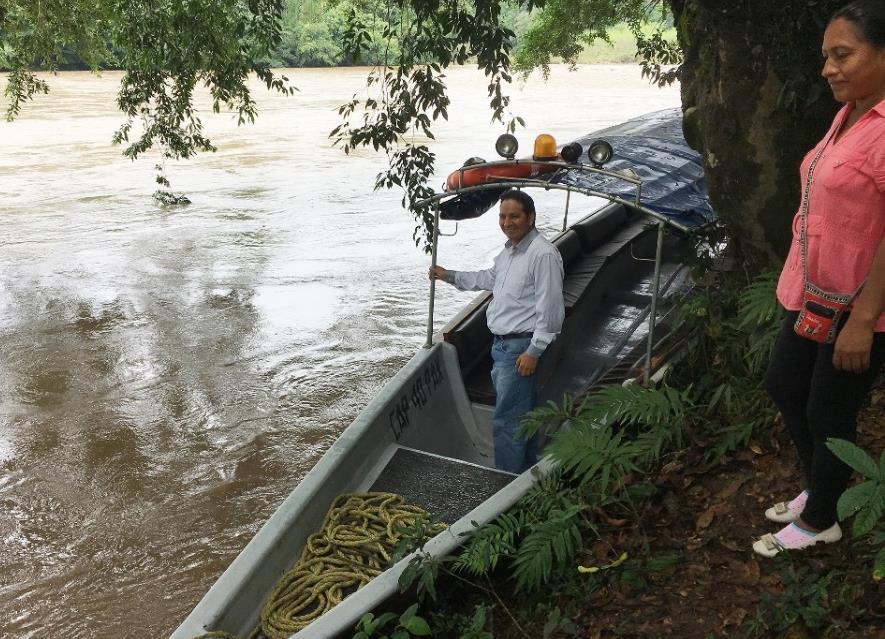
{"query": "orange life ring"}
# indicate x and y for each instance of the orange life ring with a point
(481, 174)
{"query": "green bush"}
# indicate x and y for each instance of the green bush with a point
(865, 501)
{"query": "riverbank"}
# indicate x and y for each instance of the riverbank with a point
(719, 587)
(680, 565)
(648, 530)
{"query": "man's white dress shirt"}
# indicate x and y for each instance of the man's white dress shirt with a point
(526, 285)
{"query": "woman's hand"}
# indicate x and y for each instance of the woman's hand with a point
(855, 340)
(853, 346)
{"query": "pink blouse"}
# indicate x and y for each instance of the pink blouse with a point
(846, 210)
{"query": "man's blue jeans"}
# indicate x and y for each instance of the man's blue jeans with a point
(516, 396)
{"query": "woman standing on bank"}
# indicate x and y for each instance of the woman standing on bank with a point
(819, 377)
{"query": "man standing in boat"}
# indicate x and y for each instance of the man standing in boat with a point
(525, 316)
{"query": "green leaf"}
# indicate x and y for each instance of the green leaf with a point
(641, 491)
(479, 618)
(854, 456)
(551, 543)
(867, 518)
(408, 614)
(656, 564)
(427, 583)
(552, 624)
(758, 303)
(418, 627)
(384, 619)
(367, 623)
(409, 574)
(879, 565)
(855, 498)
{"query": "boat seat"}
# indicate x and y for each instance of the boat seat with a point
(596, 229)
(478, 380)
(569, 245)
(470, 335)
(585, 249)
(579, 278)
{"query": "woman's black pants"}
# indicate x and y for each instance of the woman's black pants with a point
(817, 401)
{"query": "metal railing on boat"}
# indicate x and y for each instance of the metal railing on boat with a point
(662, 222)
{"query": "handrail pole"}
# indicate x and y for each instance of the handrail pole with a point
(568, 197)
(558, 187)
(654, 302)
(433, 252)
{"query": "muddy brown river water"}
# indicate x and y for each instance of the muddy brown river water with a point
(168, 375)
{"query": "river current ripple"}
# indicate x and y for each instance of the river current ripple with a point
(168, 375)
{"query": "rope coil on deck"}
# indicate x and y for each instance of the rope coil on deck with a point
(354, 545)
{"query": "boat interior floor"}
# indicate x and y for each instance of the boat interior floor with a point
(446, 488)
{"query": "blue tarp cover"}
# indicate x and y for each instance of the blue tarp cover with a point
(654, 147)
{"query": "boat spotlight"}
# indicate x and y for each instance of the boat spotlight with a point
(599, 153)
(506, 146)
(571, 152)
(545, 147)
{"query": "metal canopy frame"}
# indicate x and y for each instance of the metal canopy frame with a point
(661, 220)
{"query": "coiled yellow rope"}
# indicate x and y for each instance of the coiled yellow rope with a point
(353, 546)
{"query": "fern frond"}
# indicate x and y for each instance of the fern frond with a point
(637, 404)
(550, 417)
(650, 444)
(549, 493)
(730, 438)
(486, 546)
(594, 455)
(550, 544)
(545, 418)
(759, 353)
(757, 303)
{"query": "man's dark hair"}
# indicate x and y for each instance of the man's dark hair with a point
(868, 16)
(528, 204)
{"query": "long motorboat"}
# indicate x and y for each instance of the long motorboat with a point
(427, 434)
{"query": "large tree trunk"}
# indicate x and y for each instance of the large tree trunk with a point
(754, 104)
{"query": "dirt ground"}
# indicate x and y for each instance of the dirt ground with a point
(709, 520)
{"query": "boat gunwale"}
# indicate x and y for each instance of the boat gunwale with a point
(341, 617)
(247, 565)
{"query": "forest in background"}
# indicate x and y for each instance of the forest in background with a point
(313, 36)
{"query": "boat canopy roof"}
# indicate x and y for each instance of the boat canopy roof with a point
(653, 147)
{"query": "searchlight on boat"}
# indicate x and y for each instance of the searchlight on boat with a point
(545, 147)
(599, 153)
(571, 152)
(506, 146)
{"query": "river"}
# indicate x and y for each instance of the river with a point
(168, 375)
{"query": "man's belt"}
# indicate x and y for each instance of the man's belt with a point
(516, 335)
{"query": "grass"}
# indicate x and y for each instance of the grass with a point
(622, 48)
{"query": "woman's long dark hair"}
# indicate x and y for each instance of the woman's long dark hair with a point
(868, 16)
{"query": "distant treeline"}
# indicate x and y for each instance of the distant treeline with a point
(312, 34)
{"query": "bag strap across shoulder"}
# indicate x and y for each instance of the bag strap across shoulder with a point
(803, 233)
